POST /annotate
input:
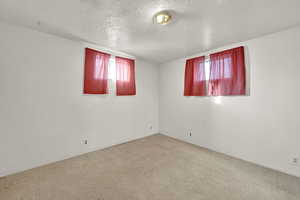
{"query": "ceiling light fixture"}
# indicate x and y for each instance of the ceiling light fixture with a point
(162, 18)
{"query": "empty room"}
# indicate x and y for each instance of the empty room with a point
(149, 100)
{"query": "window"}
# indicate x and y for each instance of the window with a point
(100, 67)
(207, 70)
(216, 99)
(125, 74)
(112, 68)
(227, 73)
(224, 74)
(195, 77)
(95, 72)
(227, 68)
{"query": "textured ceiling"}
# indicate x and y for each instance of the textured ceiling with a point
(126, 25)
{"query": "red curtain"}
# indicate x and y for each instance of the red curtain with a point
(227, 73)
(95, 72)
(195, 83)
(125, 76)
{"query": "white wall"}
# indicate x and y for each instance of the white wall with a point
(44, 116)
(264, 127)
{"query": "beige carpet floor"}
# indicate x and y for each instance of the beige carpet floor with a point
(152, 168)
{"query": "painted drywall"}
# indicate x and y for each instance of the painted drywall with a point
(43, 114)
(263, 127)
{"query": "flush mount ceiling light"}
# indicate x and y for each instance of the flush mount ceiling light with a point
(162, 18)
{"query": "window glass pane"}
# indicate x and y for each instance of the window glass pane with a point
(112, 68)
(207, 69)
(227, 67)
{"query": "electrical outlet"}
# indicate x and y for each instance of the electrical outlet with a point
(150, 127)
(295, 161)
(85, 142)
(190, 133)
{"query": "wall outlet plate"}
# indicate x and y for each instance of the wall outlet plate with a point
(295, 161)
(150, 127)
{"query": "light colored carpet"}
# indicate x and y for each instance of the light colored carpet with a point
(152, 168)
